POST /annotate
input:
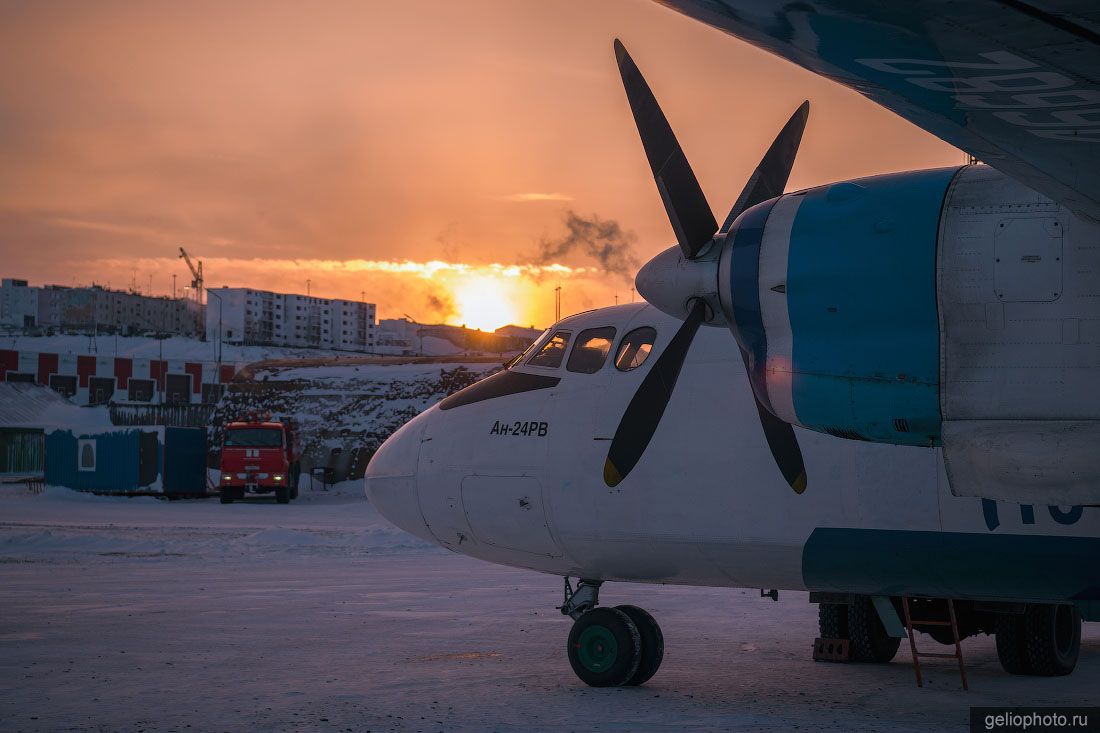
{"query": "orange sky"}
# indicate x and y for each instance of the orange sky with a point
(281, 142)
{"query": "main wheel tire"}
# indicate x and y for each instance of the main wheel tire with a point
(653, 644)
(1011, 647)
(868, 640)
(604, 647)
(282, 495)
(1052, 638)
(832, 620)
(224, 497)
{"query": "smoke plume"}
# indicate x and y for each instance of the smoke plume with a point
(602, 240)
(442, 305)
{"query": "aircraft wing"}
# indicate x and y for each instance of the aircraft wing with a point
(1015, 83)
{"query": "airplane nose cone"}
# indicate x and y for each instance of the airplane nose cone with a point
(391, 478)
(670, 281)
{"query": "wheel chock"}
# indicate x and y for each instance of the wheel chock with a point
(830, 650)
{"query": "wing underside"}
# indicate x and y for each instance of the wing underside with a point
(1015, 84)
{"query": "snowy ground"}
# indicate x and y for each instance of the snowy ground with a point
(141, 614)
(179, 347)
(176, 347)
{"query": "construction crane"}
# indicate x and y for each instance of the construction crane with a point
(196, 273)
(196, 288)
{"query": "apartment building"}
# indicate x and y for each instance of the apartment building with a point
(248, 316)
(18, 304)
(94, 308)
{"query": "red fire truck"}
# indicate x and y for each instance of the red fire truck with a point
(259, 456)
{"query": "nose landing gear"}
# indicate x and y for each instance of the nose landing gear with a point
(610, 647)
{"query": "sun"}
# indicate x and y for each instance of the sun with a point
(482, 303)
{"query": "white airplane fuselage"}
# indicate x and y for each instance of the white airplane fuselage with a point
(516, 479)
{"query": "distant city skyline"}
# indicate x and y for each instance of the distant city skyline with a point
(454, 161)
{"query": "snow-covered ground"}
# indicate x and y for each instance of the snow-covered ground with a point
(140, 347)
(141, 614)
(179, 347)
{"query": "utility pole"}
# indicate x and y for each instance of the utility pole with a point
(616, 298)
(631, 293)
(308, 283)
(173, 286)
(557, 303)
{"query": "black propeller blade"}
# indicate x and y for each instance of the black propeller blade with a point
(782, 443)
(768, 181)
(687, 207)
(770, 177)
(695, 226)
(644, 412)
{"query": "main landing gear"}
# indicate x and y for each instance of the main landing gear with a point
(860, 625)
(1044, 640)
(1038, 639)
(610, 647)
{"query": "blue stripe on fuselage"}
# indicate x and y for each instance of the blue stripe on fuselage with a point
(952, 564)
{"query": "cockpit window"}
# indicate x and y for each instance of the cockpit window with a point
(590, 350)
(552, 352)
(635, 348)
(526, 352)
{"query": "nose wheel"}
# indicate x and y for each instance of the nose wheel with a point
(611, 647)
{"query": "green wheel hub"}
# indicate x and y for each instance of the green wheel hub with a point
(597, 648)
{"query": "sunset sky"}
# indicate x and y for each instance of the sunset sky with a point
(451, 160)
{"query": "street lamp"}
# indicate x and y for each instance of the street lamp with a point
(210, 292)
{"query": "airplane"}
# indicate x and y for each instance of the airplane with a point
(915, 433)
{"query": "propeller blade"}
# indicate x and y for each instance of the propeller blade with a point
(770, 177)
(644, 412)
(784, 448)
(687, 207)
(768, 181)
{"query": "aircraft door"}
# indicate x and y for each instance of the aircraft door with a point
(575, 445)
(502, 436)
(626, 369)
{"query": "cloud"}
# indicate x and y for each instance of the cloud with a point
(528, 197)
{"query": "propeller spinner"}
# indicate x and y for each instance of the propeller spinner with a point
(683, 281)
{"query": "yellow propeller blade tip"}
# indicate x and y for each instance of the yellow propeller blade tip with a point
(611, 475)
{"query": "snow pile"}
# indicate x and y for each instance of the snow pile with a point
(78, 419)
(346, 406)
(140, 347)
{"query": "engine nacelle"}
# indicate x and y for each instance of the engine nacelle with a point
(949, 307)
(833, 293)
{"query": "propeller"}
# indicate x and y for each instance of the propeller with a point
(648, 404)
(695, 227)
(687, 207)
